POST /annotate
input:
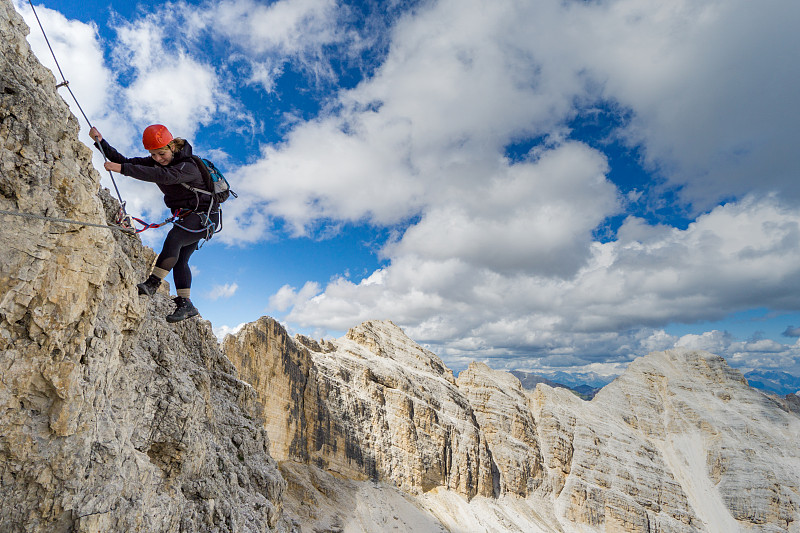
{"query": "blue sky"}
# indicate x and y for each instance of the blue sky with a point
(539, 185)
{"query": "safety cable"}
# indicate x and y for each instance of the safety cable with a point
(67, 221)
(65, 83)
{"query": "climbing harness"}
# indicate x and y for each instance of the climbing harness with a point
(209, 226)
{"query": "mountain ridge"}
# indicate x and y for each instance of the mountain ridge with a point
(638, 457)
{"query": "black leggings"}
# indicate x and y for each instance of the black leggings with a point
(179, 246)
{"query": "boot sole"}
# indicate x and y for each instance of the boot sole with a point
(172, 319)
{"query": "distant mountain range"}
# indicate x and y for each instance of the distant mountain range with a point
(585, 384)
(780, 383)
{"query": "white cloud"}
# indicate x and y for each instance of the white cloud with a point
(169, 86)
(80, 56)
(267, 36)
(462, 79)
(325, 173)
(675, 276)
(223, 291)
(288, 296)
(427, 131)
(709, 83)
(502, 252)
(221, 331)
(710, 341)
(746, 355)
(764, 354)
(534, 217)
(287, 26)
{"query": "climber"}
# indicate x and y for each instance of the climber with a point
(171, 167)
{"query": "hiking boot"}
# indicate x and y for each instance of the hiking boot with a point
(150, 285)
(185, 310)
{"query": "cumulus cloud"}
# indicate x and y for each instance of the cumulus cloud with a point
(222, 331)
(462, 80)
(708, 84)
(763, 354)
(267, 37)
(625, 285)
(288, 296)
(223, 291)
(80, 56)
(534, 217)
(710, 341)
(501, 256)
(427, 131)
(169, 85)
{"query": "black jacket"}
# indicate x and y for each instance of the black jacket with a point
(182, 169)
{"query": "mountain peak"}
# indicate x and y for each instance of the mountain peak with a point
(687, 364)
(387, 340)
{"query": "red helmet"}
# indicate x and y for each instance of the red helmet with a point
(155, 137)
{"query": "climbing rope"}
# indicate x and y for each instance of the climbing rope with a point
(125, 229)
(64, 82)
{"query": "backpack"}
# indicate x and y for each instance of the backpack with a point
(216, 184)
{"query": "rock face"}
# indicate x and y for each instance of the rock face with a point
(603, 474)
(502, 413)
(679, 443)
(373, 405)
(110, 420)
(702, 417)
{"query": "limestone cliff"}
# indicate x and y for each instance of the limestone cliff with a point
(679, 443)
(373, 406)
(110, 420)
(503, 415)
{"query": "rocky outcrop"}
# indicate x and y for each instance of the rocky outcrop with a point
(604, 475)
(110, 419)
(278, 369)
(702, 417)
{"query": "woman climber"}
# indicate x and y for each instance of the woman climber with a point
(171, 167)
